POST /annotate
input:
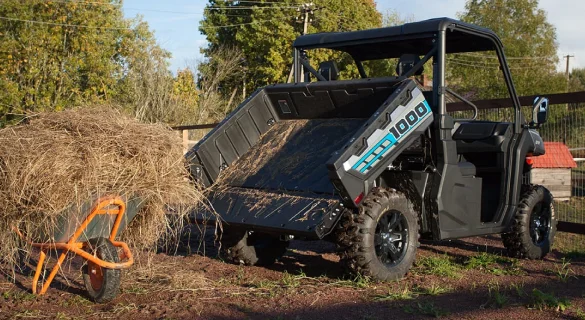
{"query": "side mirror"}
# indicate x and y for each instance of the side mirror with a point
(539, 111)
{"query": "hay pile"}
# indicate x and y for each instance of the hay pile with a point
(56, 161)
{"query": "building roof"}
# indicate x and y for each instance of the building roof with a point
(557, 156)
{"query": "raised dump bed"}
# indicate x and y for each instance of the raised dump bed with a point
(288, 155)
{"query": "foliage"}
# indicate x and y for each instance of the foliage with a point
(47, 67)
(530, 46)
(55, 55)
(264, 32)
(222, 63)
(577, 82)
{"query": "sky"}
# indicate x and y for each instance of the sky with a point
(176, 23)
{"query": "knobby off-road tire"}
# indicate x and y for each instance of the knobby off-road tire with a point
(380, 239)
(534, 225)
(252, 248)
(102, 284)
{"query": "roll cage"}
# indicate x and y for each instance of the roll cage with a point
(432, 39)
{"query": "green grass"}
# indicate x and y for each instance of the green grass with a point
(494, 264)
(427, 309)
(18, 296)
(410, 293)
(358, 282)
(433, 290)
(76, 301)
(518, 289)
(579, 314)
(292, 280)
(438, 265)
(404, 294)
(541, 301)
(138, 290)
(497, 298)
(564, 272)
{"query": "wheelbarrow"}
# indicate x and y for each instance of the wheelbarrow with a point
(94, 240)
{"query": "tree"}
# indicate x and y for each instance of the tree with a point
(223, 62)
(577, 79)
(530, 46)
(265, 30)
(54, 55)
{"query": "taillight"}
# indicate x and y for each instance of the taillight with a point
(359, 198)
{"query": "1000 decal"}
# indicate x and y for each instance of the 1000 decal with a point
(411, 119)
(406, 118)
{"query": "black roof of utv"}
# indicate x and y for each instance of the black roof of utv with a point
(415, 38)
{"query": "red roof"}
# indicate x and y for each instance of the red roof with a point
(557, 155)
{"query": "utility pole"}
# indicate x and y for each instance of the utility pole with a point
(568, 57)
(306, 9)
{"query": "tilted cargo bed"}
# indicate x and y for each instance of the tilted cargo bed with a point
(321, 144)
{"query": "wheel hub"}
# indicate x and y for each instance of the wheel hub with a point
(390, 239)
(96, 276)
(540, 224)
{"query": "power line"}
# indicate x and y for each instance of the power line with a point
(63, 24)
(182, 12)
(86, 2)
(495, 64)
(164, 11)
(507, 58)
(258, 2)
(249, 8)
(483, 66)
(237, 25)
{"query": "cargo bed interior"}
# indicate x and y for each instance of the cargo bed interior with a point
(282, 137)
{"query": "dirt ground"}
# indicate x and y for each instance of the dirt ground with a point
(463, 279)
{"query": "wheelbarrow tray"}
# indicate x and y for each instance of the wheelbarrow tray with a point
(101, 225)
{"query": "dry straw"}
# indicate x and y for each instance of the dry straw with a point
(55, 161)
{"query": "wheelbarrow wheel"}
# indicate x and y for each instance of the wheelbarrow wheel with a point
(102, 284)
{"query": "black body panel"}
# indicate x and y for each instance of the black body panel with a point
(290, 140)
(292, 155)
(293, 213)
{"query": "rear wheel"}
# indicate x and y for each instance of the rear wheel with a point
(102, 284)
(380, 239)
(534, 225)
(252, 248)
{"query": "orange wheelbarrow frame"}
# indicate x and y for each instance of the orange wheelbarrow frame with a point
(101, 207)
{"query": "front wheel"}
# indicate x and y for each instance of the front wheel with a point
(534, 226)
(102, 284)
(380, 240)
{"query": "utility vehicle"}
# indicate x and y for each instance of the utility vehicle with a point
(374, 163)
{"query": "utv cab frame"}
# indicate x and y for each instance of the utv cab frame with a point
(374, 162)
